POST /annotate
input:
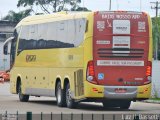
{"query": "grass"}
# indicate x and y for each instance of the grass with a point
(155, 99)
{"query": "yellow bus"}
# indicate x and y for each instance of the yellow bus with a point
(86, 56)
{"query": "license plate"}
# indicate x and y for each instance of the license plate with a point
(121, 42)
(120, 90)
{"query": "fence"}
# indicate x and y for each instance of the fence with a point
(82, 116)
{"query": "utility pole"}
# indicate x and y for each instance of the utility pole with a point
(156, 7)
(55, 6)
(140, 5)
(110, 5)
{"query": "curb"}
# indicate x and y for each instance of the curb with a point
(152, 101)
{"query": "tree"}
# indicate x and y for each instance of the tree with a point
(80, 9)
(16, 17)
(49, 6)
(156, 36)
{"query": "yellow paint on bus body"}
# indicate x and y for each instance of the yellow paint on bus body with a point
(62, 64)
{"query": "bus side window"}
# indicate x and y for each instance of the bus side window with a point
(52, 35)
(62, 33)
(71, 31)
(23, 39)
(80, 31)
(42, 36)
(32, 40)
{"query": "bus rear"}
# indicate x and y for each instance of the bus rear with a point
(122, 55)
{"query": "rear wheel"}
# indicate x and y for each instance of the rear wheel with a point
(69, 101)
(22, 97)
(60, 95)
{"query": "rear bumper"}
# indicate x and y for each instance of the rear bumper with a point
(108, 92)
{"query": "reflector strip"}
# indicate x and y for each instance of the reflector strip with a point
(119, 63)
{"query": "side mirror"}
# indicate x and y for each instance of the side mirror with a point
(7, 46)
(5, 49)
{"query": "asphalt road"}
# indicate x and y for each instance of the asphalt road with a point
(11, 104)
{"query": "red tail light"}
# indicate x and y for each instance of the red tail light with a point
(91, 73)
(149, 68)
(149, 72)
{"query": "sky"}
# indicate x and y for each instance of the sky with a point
(131, 5)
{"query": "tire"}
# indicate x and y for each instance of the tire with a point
(22, 97)
(60, 96)
(125, 105)
(69, 101)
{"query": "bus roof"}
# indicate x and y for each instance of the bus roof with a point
(64, 15)
(51, 17)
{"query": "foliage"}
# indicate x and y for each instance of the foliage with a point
(80, 9)
(157, 99)
(156, 34)
(49, 6)
(16, 17)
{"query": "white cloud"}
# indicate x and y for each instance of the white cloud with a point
(6, 5)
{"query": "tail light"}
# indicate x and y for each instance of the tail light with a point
(90, 72)
(149, 71)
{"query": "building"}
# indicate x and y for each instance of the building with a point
(6, 31)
